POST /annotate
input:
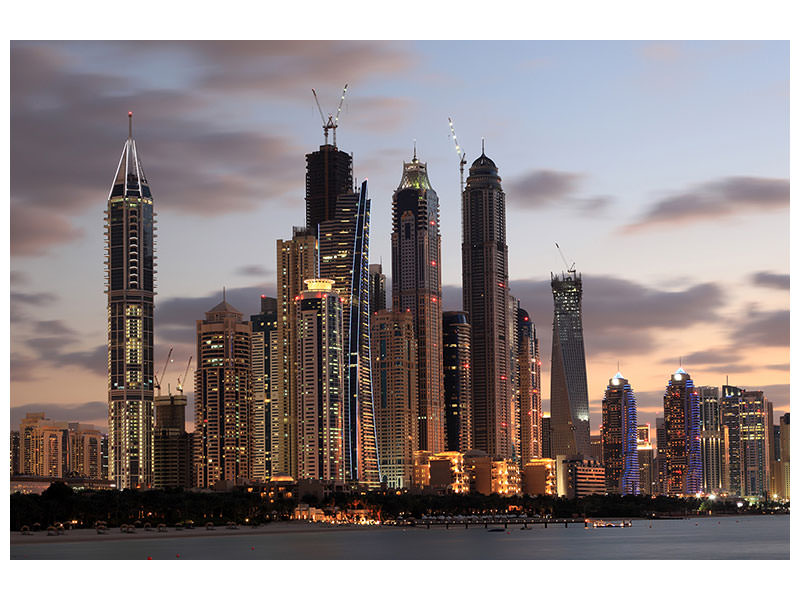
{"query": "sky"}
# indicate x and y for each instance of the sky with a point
(660, 168)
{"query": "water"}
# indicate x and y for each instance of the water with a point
(750, 537)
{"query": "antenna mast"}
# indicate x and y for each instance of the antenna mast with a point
(460, 151)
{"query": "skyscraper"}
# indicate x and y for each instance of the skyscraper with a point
(377, 288)
(320, 383)
(569, 400)
(730, 422)
(547, 448)
(711, 439)
(754, 441)
(660, 466)
(456, 361)
(264, 341)
(682, 427)
(417, 286)
(644, 450)
(223, 391)
(296, 262)
(620, 437)
(130, 289)
(172, 455)
(344, 258)
(485, 289)
(329, 174)
(394, 364)
(530, 407)
(785, 448)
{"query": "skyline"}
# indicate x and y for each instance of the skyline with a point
(671, 291)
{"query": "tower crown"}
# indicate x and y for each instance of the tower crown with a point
(130, 180)
(415, 175)
(483, 165)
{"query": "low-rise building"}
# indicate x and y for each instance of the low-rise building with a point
(578, 476)
(539, 477)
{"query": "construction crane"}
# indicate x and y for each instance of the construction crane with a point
(163, 371)
(460, 151)
(570, 269)
(182, 380)
(332, 122)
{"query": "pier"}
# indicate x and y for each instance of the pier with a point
(485, 521)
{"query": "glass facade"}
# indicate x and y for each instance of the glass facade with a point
(684, 467)
(417, 288)
(569, 400)
(620, 437)
(456, 360)
(130, 270)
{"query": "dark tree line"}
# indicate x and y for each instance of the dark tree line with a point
(59, 503)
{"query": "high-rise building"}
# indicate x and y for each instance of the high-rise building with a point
(578, 476)
(329, 174)
(530, 407)
(547, 448)
(754, 442)
(58, 449)
(172, 456)
(296, 262)
(320, 383)
(377, 288)
(660, 466)
(223, 392)
(130, 278)
(620, 437)
(263, 342)
(394, 369)
(730, 404)
(417, 287)
(682, 426)
(785, 446)
(711, 438)
(569, 400)
(14, 452)
(485, 291)
(456, 361)
(512, 335)
(344, 258)
(644, 450)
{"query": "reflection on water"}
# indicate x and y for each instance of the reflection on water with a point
(753, 537)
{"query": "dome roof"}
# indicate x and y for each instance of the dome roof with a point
(483, 165)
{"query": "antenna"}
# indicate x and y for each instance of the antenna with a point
(332, 122)
(570, 269)
(130, 124)
(460, 151)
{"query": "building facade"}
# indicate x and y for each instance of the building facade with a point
(320, 383)
(620, 437)
(730, 408)
(223, 391)
(296, 262)
(754, 442)
(395, 384)
(711, 439)
(569, 400)
(485, 292)
(644, 450)
(684, 466)
(377, 288)
(456, 361)
(577, 476)
(130, 289)
(264, 340)
(329, 174)
(344, 259)
(527, 387)
(172, 458)
(417, 287)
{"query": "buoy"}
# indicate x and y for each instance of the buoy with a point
(149, 558)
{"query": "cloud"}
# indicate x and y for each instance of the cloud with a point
(89, 412)
(620, 317)
(763, 328)
(542, 188)
(19, 278)
(715, 199)
(57, 327)
(34, 230)
(254, 270)
(778, 281)
(94, 360)
(715, 356)
(40, 299)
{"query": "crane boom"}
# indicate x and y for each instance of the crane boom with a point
(460, 151)
(182, 381)
(338, 112)
(163, 371)
(332, 122)
(570, 269)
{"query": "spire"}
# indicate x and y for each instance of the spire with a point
(415, 151)
(130, 181)
(223, 293)
(483, 145)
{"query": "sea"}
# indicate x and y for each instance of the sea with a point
(708, 538)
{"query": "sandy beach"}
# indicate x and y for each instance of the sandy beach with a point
(83, 535)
